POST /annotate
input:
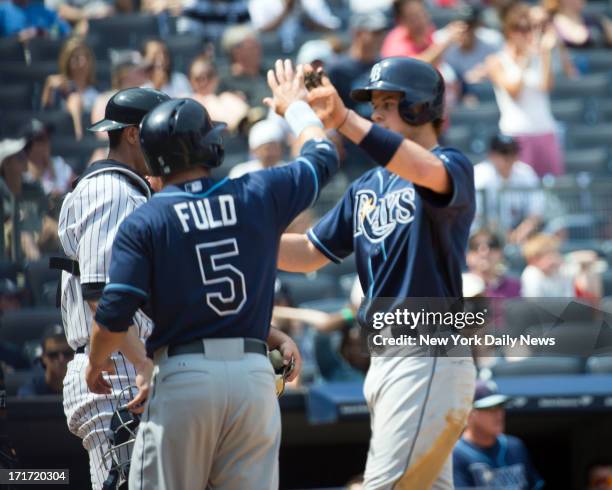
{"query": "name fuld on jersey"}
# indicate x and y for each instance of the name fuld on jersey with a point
(207, 214)
(376, 218)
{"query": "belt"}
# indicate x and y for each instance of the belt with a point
(252, 346)
(80, 350)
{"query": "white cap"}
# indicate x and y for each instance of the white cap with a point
(314, 50)
(9, 147)
(266, 131)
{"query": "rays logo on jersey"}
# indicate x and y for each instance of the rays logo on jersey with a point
(376, 218)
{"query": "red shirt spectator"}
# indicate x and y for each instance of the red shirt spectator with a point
(413, 33)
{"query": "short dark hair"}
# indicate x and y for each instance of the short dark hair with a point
(504, 145)
(398, 5)
(55, 332)
(493, 239)
(114, 138)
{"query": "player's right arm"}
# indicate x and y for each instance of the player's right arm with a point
(298, 254)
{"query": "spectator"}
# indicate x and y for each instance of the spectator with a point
(53, 173)
(10, 296)
(508, 192)
(413, 34)
(24, 202)
(353, 68)
(74, 87)
(78, 12)
(576, 29)
(56, 354)
(316, 52)
(161, 76)
(245, 75)
(599, 476)
(486, 458)
(284, 16)
(522, 76)
(226, 106)
(209, 18)
(467, 56)
(562, 63)
(485, 259)
(28, 19)
(266, 144)
(544, 277)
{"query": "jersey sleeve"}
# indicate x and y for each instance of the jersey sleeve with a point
(130, 272)
(333, 234)
(102, 204)
(296, 186)
(461, 174)
(462, 477)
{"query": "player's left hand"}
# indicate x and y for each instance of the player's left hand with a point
(94, 376)
(291, 353)
(287, 86)
(144, 374)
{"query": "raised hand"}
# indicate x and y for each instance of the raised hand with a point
(327, 104)
(287, 86)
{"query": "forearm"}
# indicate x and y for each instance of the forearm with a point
(71, 14)
(433, 54)
(548, 79)
(411, 161)
(297, 254)
(102, 344)
(133, 348)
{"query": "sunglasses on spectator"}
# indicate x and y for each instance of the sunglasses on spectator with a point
(54, 354)
(491, 243)
(522, 28)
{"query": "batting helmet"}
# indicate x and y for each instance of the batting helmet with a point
(179, 134)
(128, 107)
(124, 425)
(420, 83)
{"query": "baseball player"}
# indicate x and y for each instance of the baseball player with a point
(203, 253)
(107, 192)
(407, 222)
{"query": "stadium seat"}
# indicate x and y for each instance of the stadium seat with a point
(44, 49)
(482, 121)
(308, 288)
(588, 86)
(442, 16)
(41, 280)
(457, 136)
(596, 60)
(328, 305)
(18, 378)
(594, 160)
(16, 97)
(60, 121)
(76, 153)
(607, 282)
(27, 324)
(11, 50)
(9, 270)
(584, 136)
(599, 364)
(529, 366)
(183, 49)
(568, 111)
(15, 72)
(123, 31)
(347, 266)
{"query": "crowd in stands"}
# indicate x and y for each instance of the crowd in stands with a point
(528, 100)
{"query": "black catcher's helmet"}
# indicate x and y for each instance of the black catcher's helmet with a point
(179, 134)
(128, 107)
(421, 84)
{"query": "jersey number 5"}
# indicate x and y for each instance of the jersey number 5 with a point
(214, 259)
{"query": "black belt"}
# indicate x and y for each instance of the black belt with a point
(80, 350)
(252, 346)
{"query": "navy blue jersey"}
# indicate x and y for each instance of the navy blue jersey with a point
(203, 254)
(505, 465)
(408, 241)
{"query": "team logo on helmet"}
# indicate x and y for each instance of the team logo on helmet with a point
(376, 218)
(375, 73)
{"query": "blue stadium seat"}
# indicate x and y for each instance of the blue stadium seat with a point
(123, 31)
(44, 49)
(585, 136)
(457, 136)
(569, 111)
(587, 87)
(308, 288)
(11, 50)
(529, 366)
(16, 97)
(328, 305)
(18, 327)
(15, 380)
(594, 160)
(60, 121)
(42, 282)
(595, 60)
(183, 49)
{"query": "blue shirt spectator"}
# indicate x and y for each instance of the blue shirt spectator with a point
(19, 16)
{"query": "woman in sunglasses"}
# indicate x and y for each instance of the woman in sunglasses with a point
(522, 76)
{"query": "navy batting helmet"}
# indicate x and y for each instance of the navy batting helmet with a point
(128, 107)
(179, 134)
(420, 83)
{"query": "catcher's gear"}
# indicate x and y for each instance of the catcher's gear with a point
(124, 425)
(281, 370)
(128, 107)
(420, 83)
(179, 134)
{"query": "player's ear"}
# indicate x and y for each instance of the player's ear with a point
(133, 135)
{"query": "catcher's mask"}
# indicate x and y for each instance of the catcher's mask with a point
(124, 425)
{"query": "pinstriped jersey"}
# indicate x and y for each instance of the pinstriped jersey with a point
(88, 222)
